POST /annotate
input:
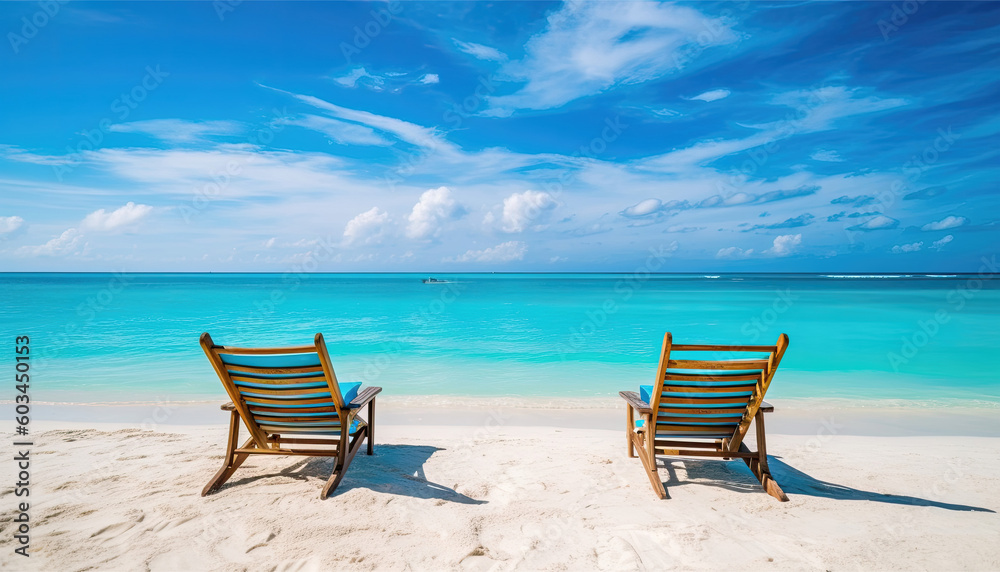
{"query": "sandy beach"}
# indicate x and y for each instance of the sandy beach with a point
(499, 489)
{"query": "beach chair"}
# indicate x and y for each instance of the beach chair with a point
(703, 407)
(283, 394)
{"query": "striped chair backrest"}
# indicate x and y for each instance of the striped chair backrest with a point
(700, 395)
(281, 390)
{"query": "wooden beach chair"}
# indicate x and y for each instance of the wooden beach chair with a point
(703, 407)
(283, 394)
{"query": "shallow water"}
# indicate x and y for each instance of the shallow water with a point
(108, 337)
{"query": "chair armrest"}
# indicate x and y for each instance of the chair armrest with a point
(364, 396)
(636, 402)
(766, 407)
(228, 406)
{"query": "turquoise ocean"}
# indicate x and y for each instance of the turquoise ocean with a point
(914, 339)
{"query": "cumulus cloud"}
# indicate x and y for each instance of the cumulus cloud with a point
(880, 222)
(522, 210)
(66, 243)
(642, 208)
(939, 244)
(367, 227)
(125, 216)
(713, 95)
(480, 51)
(904, 248)
(430, 78)
(734, 252)
(9, 224)
(785, 245)
(946, 223)
(503, 252)
(435, 207)
(826, 156)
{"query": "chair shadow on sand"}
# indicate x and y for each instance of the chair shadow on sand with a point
(393, 469)
(792, 480)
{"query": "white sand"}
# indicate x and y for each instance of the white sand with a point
(489, 497)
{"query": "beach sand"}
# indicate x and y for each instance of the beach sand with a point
(508, 489)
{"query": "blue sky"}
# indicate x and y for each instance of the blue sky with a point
(746, 136)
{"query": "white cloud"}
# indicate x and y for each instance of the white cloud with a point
(178, 130)
(816, 110)
(904, 248)
(939, 244)
(269, 243)
(521, 210)
(642, 208)
(66, 243)
(340, 131)
(785, 245)
(827, 156)
(481, 52)
(435, 207)
(946, 223)
(127, 215)
(367, 227)
(712, 95)
(590, 47)
(503, 252)
(9, 224)
(880, 222)
(351, 79)
(734, 252)
(430, 78)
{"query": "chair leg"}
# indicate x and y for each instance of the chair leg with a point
(629, 430)
(232, 460)
(341, 468)
(649, 464)
(371, 427)
(758, 465)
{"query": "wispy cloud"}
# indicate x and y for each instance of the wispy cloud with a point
(178, 130)
(340, 131)
(711, 95)
(590, 47)
(480, 51)
(880, 222)
(504, 252)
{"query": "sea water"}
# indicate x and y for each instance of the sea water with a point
(134, 337)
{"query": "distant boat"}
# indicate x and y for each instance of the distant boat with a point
(433, 281)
